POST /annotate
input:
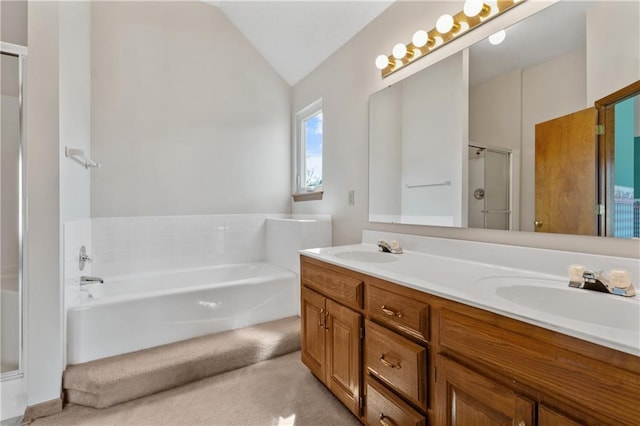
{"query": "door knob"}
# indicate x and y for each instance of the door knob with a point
(537, 223)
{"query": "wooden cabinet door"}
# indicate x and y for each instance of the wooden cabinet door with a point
(465, 397)
(313, 332)
(549, 417)
(343, 374)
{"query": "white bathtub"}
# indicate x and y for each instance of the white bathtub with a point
(129, 313)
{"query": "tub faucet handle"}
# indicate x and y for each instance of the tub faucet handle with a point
(84, 258)
(84, 280)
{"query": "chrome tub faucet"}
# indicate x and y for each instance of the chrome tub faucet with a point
(84, 280)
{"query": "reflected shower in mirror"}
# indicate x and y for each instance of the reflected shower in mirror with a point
(10, 215)
(544, 69)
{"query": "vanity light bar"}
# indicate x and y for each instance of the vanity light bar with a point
(448, 27)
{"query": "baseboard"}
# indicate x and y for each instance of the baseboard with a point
(42, 409)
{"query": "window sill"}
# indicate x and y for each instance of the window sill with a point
(307, 196)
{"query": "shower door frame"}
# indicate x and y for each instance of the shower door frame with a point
(511, 154)
(19, 52)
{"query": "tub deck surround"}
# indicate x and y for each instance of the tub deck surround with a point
(126, 314)
(133, 245)
(604, 319)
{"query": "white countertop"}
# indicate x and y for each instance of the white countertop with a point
(540, 299)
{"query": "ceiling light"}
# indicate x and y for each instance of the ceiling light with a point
(420, 38)
(473, 7)
(445, 24)
(382, 61)
(399, 51)
(476, 7)
(498, 37)
(448, 27)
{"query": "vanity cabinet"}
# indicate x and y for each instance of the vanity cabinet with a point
(332, 332)
(568, 378)
(430, 360)
(468, 398)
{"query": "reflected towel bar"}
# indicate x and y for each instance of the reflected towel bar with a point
(78, 156)
(445, 183)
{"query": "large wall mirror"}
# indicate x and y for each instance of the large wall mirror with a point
(489, 137)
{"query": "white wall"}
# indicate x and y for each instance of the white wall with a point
(13, 28)
(349, 77)
(613, 47)
(43, 290)
(187, 117)
(75, 107)
(385, 126)
(434, 142)
(495, 110)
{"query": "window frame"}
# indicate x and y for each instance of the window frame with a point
(300, 148)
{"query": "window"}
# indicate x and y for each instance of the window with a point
(308, 141)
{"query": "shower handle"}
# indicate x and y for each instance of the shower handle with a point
(83, 258)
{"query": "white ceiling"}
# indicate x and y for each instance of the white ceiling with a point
(297, 36)
(549, 34)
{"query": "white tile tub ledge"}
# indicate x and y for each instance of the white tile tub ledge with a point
(530, 285)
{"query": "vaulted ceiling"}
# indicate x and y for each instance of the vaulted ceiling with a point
(297, 36)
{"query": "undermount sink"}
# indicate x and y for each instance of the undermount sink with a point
(365, 256)
(557, 298)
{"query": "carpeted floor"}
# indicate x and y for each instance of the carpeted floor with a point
(280, 391)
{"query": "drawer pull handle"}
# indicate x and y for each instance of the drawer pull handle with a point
(321, 318)
(384, 421)
(390, 312)
(389, 364)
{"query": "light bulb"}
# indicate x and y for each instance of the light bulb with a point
(498, 37)
(444, 24)
(399, 51)
(382, 62)
(420, 38)
(473, 7)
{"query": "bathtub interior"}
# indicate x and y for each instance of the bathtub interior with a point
(116, 324)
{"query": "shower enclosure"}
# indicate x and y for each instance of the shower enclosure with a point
(489, 188)
(11, 210)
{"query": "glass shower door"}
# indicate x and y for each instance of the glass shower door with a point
(497, 204)
(10, 216)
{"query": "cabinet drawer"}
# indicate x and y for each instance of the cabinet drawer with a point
(384, 408)
(341, 288)
(398, 362)
(400, 311)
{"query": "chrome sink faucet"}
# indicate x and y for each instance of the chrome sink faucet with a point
(390, 247)
(618, 282)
